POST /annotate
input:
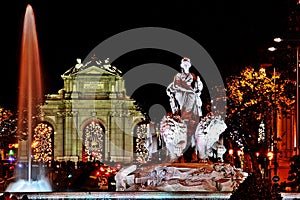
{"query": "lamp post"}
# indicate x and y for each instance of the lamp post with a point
(297, 101)
(270, 156)
(296, 42)
(272, 145)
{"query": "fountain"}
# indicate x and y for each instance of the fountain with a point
(194, 147)
(30, 97)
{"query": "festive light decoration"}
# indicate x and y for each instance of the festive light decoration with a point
(141, 152)
(8, 128)
(7, 122)
(252, 89)
(251, 97)
(5, 114)
(42, 142)
(93, 137)
(261, 132)
(270, 155)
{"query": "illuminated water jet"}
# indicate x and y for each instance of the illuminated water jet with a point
(29, 98)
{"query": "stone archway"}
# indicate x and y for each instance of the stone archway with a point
(42, 142)
(93, 138)
(140, 136)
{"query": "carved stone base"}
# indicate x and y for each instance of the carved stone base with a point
(201, 177)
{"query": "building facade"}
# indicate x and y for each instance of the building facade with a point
(90, 118)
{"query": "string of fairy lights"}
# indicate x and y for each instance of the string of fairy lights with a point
(42, 143)
(252, 87)
(261, 132)
(251, 99)
(141, 152)
(94, 140)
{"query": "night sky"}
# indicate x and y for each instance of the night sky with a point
(234, 33)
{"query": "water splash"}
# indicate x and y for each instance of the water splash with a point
(22, 185)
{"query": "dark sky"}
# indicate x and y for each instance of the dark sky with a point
(232, 32)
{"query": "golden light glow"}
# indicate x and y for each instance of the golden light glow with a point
(93, 134)
(272, 49)
(270, 155)
(34, 144)
(42, 142)
(253, 88)
(277, 39)
(239, 152)
(140, 148)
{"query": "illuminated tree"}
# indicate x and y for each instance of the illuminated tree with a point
(8, 128)
(42, 142)
(252, 99)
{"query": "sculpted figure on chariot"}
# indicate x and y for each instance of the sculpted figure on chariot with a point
(184, 93)
(199, 138)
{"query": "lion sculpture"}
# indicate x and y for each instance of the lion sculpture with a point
(207, 137)
(174, 133)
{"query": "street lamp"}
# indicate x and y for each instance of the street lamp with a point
(296, 41)
(272, 48)
(230, 152)
(270, 156)
(277, 39)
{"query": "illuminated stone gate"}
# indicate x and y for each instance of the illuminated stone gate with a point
(91, 116)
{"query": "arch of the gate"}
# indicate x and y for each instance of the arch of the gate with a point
(140, 136)
(43, 142)
(135, 122)
(93, 140)
(50, 121)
